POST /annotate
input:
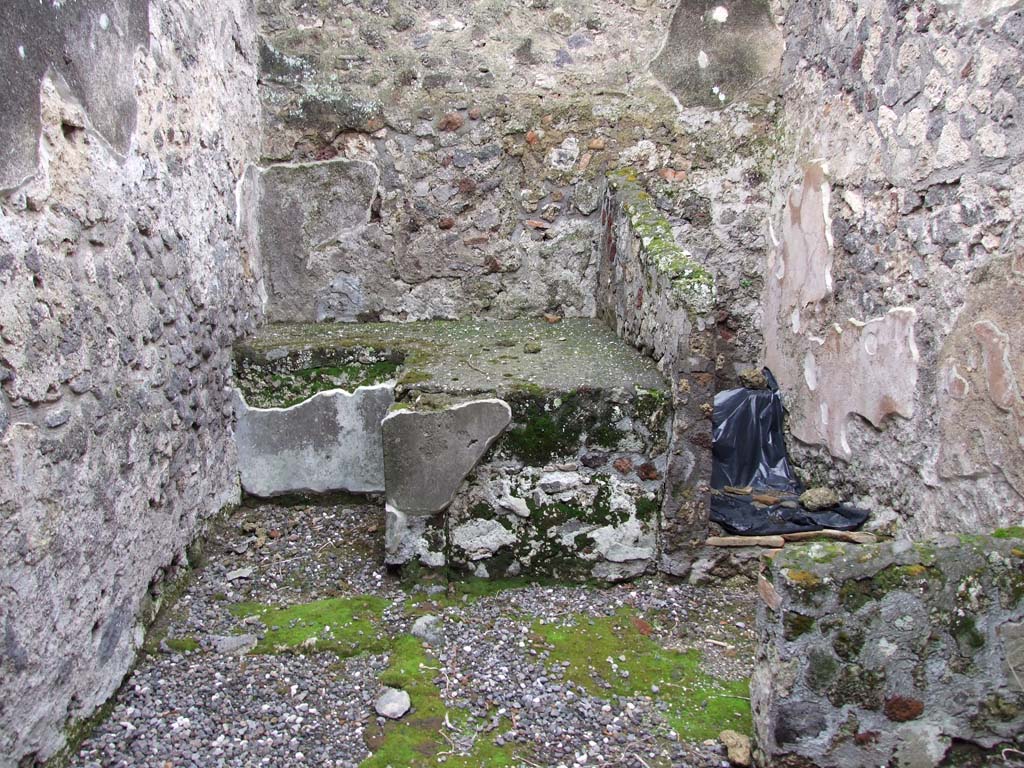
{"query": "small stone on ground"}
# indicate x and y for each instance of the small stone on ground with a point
(392, 703)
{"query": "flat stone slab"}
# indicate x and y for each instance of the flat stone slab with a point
(466, 358)
(331, 442)
(427, 454)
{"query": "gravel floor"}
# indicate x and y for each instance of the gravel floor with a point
(189, 704)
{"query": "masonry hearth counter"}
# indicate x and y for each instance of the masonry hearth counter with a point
(511, 447)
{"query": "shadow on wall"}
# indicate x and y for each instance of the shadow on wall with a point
(717, 54)
(90, 44)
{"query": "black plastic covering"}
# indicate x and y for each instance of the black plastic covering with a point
(750, 452)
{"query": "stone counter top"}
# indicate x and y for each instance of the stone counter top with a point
(462, 357)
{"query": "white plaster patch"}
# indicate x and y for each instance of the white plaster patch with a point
(21, 51)
(870, 341)
(104, 22)
(720, 14)
(702, 60)
(810, 371)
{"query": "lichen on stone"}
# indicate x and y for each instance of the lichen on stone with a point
(692, 284)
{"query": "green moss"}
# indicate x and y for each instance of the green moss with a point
(966, 633)
(78, 731)
(692, 284)
(521, 385)
(796, 624)
(605, 436)
(906, 577)
(821, 670)
(416, 739)
(698, 706)
(182, 644)
(1013, 532)
(160, 612)
(297, 376)
(804, 583)
(538, 440)
(857, 593)
(548, 427)
(847, 644)
(649, 404)
(858, 686)
(414, 376)
(647, 509)
(346, 626)
(544, 428)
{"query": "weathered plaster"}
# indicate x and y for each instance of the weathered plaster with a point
(895, 197)
(121, 290)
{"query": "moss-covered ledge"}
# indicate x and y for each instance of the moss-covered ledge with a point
(870, 654)
(692, 285)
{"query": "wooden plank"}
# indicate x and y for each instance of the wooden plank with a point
(746, 541)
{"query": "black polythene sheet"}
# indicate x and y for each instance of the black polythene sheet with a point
(749, 450)
(748, 445)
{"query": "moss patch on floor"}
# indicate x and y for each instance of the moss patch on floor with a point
(615, 655)
(346, 626)
(468, 589)
(182, 644)
(418, 739)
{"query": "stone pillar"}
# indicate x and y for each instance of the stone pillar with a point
(658, 299)
(890, 654)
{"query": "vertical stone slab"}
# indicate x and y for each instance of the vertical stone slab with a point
(330, 442)
(427, 455)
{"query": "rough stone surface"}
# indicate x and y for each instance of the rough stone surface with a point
(392, 703)
(123, 283)
(890, 652)
(737, 747)
(814, 499)
(427, 454)
(894, 263)
(311, 218)
(331, 442)
(659, 298)
(89, 52)
(492, 129)
(319, 704)
(429, 629)
(572, 488)
(716, 53)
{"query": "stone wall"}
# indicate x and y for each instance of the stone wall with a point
(894, 275)
(126, 128)
(658, 298)
(891, 654)
(482, 133)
